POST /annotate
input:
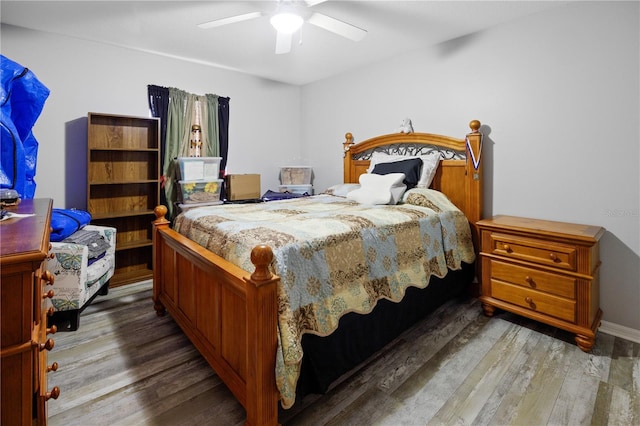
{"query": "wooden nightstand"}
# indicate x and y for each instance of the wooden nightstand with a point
(544, 270)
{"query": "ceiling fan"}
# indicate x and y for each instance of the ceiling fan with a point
(288, 17)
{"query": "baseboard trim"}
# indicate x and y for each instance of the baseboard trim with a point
(617, 330)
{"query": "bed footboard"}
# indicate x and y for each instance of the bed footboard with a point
(228, 314)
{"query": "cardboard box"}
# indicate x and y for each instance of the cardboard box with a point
(243, 187)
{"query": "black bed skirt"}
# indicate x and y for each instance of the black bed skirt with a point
(360, 336)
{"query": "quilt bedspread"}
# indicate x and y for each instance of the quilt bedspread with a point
(333, 256)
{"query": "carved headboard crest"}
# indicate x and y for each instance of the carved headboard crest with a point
(410, 149)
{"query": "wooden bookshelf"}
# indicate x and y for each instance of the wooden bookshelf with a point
(123, 187)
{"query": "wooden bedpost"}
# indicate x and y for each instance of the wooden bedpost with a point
(474, 176)
(262, 321)
(160, 223)
(474, 191)
(346, 146)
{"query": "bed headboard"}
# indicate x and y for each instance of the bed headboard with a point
(459, 175)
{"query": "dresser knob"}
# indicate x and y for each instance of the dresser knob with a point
(507, 248)
(52, 367)
(55, 393)
(530, 281)
(53, 329)
(530, 302)
(48, 345)
(553, 257)
(48, 295)
(51, 311)
(48, 278)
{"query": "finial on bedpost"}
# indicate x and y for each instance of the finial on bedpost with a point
(160, 211)
(474, 125)
(261, 257)
(346, 145)
(349, 137)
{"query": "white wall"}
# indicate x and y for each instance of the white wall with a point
(558, 93)
(264, 125)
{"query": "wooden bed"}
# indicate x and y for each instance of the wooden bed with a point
(230, 314)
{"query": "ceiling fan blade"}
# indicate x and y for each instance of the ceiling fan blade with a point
(336, 26)
(313, 2)
(283, 43)
(230, 20)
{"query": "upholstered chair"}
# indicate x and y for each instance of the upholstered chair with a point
(77, 281)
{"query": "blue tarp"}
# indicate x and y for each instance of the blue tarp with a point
(22, 97)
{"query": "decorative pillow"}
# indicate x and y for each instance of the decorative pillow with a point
(377, 189)
(430, 164)
(397, 191)
(429, 168)
(411, 169)
(341, 189)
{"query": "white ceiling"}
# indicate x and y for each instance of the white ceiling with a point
(170, 28)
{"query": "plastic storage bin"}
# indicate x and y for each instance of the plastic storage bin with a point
(199, 191)
(297, 189)
(295, 175)
(199, 168)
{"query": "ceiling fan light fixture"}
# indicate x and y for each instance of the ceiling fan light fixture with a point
(286, 22)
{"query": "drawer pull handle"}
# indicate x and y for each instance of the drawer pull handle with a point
(48, 345)
(530, 281)
(55, 393)
(530, 302)
(48, 277)
(52, 367)
(48, 295)
(53, 329)
(553, 257)
(51, 311)
(507, 248)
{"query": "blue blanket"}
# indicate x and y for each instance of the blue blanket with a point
(65, 222)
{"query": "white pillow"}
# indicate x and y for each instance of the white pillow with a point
(397, 191)
(430, 164)
(379, 189)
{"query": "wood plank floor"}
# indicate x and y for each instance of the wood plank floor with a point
(126, 366)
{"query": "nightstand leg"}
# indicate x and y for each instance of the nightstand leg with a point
(585, 343)
(160, 309)
(488, 309)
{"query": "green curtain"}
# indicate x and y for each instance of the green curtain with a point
(179, 120)
(212, 132)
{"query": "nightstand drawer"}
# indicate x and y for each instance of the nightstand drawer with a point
(533, 250)
(543, 303)
(537, 280)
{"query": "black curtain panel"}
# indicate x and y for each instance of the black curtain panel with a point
(159, 107)
(223, 122)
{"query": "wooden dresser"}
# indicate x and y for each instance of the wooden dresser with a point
(544, 270)
(24, 246)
